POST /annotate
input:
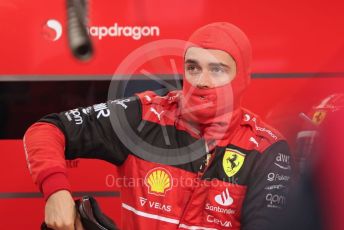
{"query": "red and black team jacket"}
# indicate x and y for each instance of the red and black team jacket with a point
(238, 186)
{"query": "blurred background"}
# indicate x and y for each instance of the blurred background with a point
(298, 62)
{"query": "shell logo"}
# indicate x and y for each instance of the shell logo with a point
(159, 181)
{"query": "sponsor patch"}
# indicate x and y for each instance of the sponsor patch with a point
(275, 200)
(159, 181)
(155, 204)
(222, 223)
(232, 161)
(319, 116)
(224, 198)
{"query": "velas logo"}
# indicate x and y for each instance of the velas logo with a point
(159, 181)
(224, 198)
(52, 30)
(135, 32)
(143, 201)
(155, 204)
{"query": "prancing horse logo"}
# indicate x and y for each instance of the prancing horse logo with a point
(232, 161)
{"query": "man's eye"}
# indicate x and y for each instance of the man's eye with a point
(217, 70)
(193, 69)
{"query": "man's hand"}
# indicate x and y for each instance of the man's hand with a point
(60, 212)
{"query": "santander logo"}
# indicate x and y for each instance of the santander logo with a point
(224, 198)
(53, 29)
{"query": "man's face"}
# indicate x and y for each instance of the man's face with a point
(208, 68)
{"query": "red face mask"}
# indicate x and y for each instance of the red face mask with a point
(214, 109)
(203, 106)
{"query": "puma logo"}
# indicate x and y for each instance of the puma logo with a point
(156, 113)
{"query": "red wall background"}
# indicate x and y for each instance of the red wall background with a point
(298, 51)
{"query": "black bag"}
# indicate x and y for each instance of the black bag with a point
(92, 218)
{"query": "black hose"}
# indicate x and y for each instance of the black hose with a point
(78, 37)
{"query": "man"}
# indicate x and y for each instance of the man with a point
(238, 182)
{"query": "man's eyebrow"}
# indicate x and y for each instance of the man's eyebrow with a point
(191, 61)
(212, 64)
(216, 64)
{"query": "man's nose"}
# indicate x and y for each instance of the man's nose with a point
(204, 81)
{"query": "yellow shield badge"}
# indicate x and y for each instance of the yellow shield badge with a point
(319, 116)
(232, 161)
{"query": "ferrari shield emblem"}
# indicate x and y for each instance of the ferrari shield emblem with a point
(232, 161)
(319, 116)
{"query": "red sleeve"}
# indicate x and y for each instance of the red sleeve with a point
(44, 145)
